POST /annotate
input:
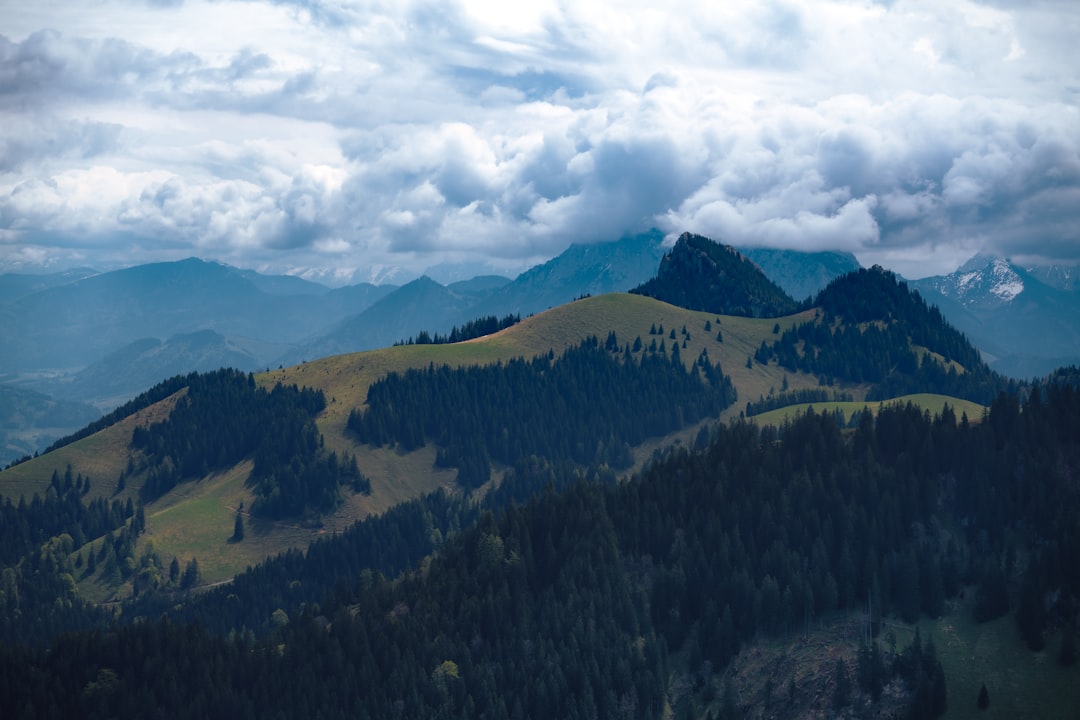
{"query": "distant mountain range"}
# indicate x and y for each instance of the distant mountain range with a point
(101, 338)
(1025, 320)
(801, 275)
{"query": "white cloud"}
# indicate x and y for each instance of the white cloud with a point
(362, 134)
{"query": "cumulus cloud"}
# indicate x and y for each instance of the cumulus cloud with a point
(300, 133)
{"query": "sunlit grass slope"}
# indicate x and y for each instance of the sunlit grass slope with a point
(934, 404)
(196, 518)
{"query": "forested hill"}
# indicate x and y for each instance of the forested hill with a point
(629, 600)
(700, 274)
(871, 328)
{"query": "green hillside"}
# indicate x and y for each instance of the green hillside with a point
(929, 402)
(195, 518)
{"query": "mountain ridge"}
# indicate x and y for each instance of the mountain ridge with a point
(701, 274)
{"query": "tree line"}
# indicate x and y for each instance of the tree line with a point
(223, 418)
(487, 325)
(589, 405)
(868, 331)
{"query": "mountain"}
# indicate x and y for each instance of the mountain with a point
(701, 274)
(480, 286)
(30, 420)
(871, 328)
(422, 304)
(733, 570)
(126, 372)
(1025, 326)
(592, 269)
(17, 285)
(801, 275)
(74, 324)
(1061, 277)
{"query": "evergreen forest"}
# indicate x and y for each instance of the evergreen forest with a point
(572, 594)
(589, 405)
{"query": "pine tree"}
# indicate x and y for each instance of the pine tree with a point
(984, 698)
(191, 574)
(238, 528)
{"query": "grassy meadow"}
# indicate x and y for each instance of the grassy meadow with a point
(196, 518)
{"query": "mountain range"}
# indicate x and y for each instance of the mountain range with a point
(550, 521)
(1025, 320)
(103, 337)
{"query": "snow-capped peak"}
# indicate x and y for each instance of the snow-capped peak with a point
(983, 280)
(1006, 283)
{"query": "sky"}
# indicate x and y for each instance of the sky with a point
(353, 141)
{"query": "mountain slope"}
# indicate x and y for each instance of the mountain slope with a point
(1025, 326)
(30, 420)
(801, 275)
(704, 275)
(72, 325)
(17, 285)
(144, 363)
(630, 321)
(422, 304)
(592, 269)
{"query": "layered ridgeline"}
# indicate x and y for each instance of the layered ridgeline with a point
(701, 274)
(229, 468)
(870, 328)
(601, 381)
(624, 599)
(728, 580)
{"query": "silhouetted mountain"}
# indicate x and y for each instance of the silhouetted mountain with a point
(1025, 326)
(426, 305)
(592, 269)
(700, 274)
(871, 328)
(801, 275)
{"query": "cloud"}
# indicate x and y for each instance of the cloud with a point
(294, 132)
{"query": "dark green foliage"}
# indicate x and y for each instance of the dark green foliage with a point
(699, 274)
(155, 394)
(1031, 615)
(866, 332)
(238, 528)
(225, 418)
(25, 526)
(983, 701)
(191, 574)
(36, 542)
(795, 397)
(570, 604)
(473, 329)
(586, 406)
